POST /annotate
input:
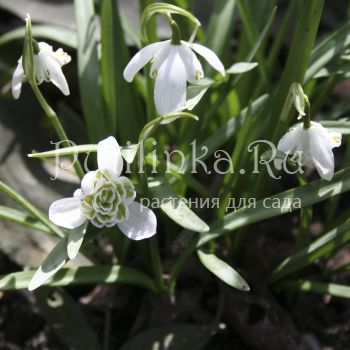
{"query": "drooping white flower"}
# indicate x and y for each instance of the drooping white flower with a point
(47, 67)
(314, 145)
(172, 66)
(106, 199)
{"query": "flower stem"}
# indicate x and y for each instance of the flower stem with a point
(156, 263)
(51, 114)
(153, 247)
(307, 116)
(176, 35)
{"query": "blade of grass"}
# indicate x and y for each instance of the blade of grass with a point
(119, 98)
(23, 219)
(89, 70)
(335, 290)
(81, 276)
(30, 208)
(57, 33)
(322, 247)
(313, 193)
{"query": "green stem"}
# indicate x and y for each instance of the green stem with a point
(307, 116)
(156, 263)
(153, 246)
(176, 35)
(51, 114)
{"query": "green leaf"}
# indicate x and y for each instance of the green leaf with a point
(172, 337)
(175, 207)
(297, 61)
(342, 126)
(128, 152)
(57, 33)
(220, 28)
(324, 246)
(225, 133)
(89, 70)
(119, 98)
(336, 290)
(252, 32)
(23, 219)
(30, 208)
(56, 259)
(222, 270)
(81, 276)
(241, 67)
(66, 318)
(195, 94)
(65, 151)
(308, 195)
(330, 47)
(75, 240)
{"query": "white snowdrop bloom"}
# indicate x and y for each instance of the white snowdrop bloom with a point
(314, 145)
(47, 67)
(106, 199)
(172, 66)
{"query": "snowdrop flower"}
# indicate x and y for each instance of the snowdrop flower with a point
(47, 67)
(172, 65)
(314, 145)
(106, 199)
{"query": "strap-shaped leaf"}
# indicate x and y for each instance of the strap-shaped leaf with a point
(80, 276)
(336, 290)
(75, 239)
(89, 69)
(175, 207)
(24, 219)
(323, 246)
(57, 33)
(241, 67)
(128, 152)
(56, 259)
(222, 270)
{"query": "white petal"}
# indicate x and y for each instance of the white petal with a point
(17, 79)
(141, 224)
(78, 193)
(193, 67)
(109, 156)
(158, 60)
(170, 87)
(321, 151)
(209, 55)
(334, 139)
(87, 183)
(54, 71)
(45, 47)
(66, 213)
(141, 59)
(288, 144)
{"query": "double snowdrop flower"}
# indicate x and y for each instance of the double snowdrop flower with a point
(314, 146)
(106, 199)
(47, 67)
(172, 65)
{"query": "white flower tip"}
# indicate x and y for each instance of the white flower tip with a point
(327, 176)
(32, 286)
(27, 17)
(127, 75)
